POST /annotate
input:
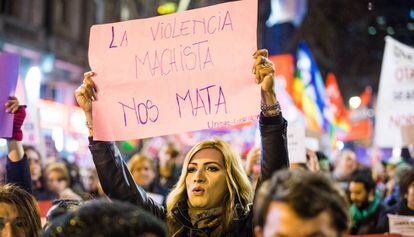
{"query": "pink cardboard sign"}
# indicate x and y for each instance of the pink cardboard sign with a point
(175, 73)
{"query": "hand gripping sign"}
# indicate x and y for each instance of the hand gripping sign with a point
(175, 73)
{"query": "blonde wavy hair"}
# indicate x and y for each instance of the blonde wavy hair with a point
(138, 159)
(239, 189)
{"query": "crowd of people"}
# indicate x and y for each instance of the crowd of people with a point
(212, 192)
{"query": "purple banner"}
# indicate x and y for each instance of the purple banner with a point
(9, 69)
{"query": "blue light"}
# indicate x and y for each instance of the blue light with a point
(412, 13)
(47, 63)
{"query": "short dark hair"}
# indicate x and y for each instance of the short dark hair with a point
(405, 182)
(364, 176)
(106, 219)
(59, 208)
(307, 193)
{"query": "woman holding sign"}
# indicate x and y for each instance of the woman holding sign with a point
(213, 196)
(18, 208)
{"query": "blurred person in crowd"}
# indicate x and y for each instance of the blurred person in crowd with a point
(366, 203)
(74, 176)
(300, 203)
(169, 166)
(40, 190)
(90, 181)
(59, 208)
(391, 189)
(58, 181)
(406, 155)
(252, 166)
(144, 172)
(396, 169)
(107, 219)
(324, 162)
(18, 211)
(312, 163)
(346, 163)
(213, 196)
(405, 205)
(3, 170)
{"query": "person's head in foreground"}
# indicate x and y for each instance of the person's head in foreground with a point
(297, 203)
(59, 208)
(212, 181)
(18, 213)
(107, 219)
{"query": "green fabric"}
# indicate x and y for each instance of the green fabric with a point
(358, 215)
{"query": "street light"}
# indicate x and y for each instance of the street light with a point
(32, 84)
(340, 145)
(354, 102)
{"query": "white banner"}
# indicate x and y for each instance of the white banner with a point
(395, 105)
(403, 225)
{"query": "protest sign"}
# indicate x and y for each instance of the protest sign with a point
(395, 106)
(175, 73)
(407, 133)
(403, 225)
(9, 70)
(296, 143)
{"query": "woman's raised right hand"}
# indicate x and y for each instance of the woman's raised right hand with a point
(86, 93)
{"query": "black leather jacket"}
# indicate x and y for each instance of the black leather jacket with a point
(118, 183)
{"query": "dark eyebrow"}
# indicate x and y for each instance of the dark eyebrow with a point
(208, 163)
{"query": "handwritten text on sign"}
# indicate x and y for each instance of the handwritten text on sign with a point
(174, 73)
(395, 106)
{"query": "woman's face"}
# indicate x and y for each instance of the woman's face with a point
(206, 179)
(11, 224)
(90, 181)
(410, 195)
(143, 173)
(35, 164)
(56, 182)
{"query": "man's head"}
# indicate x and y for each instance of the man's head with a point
(361, 187)
(106, 219)
(300, 203)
